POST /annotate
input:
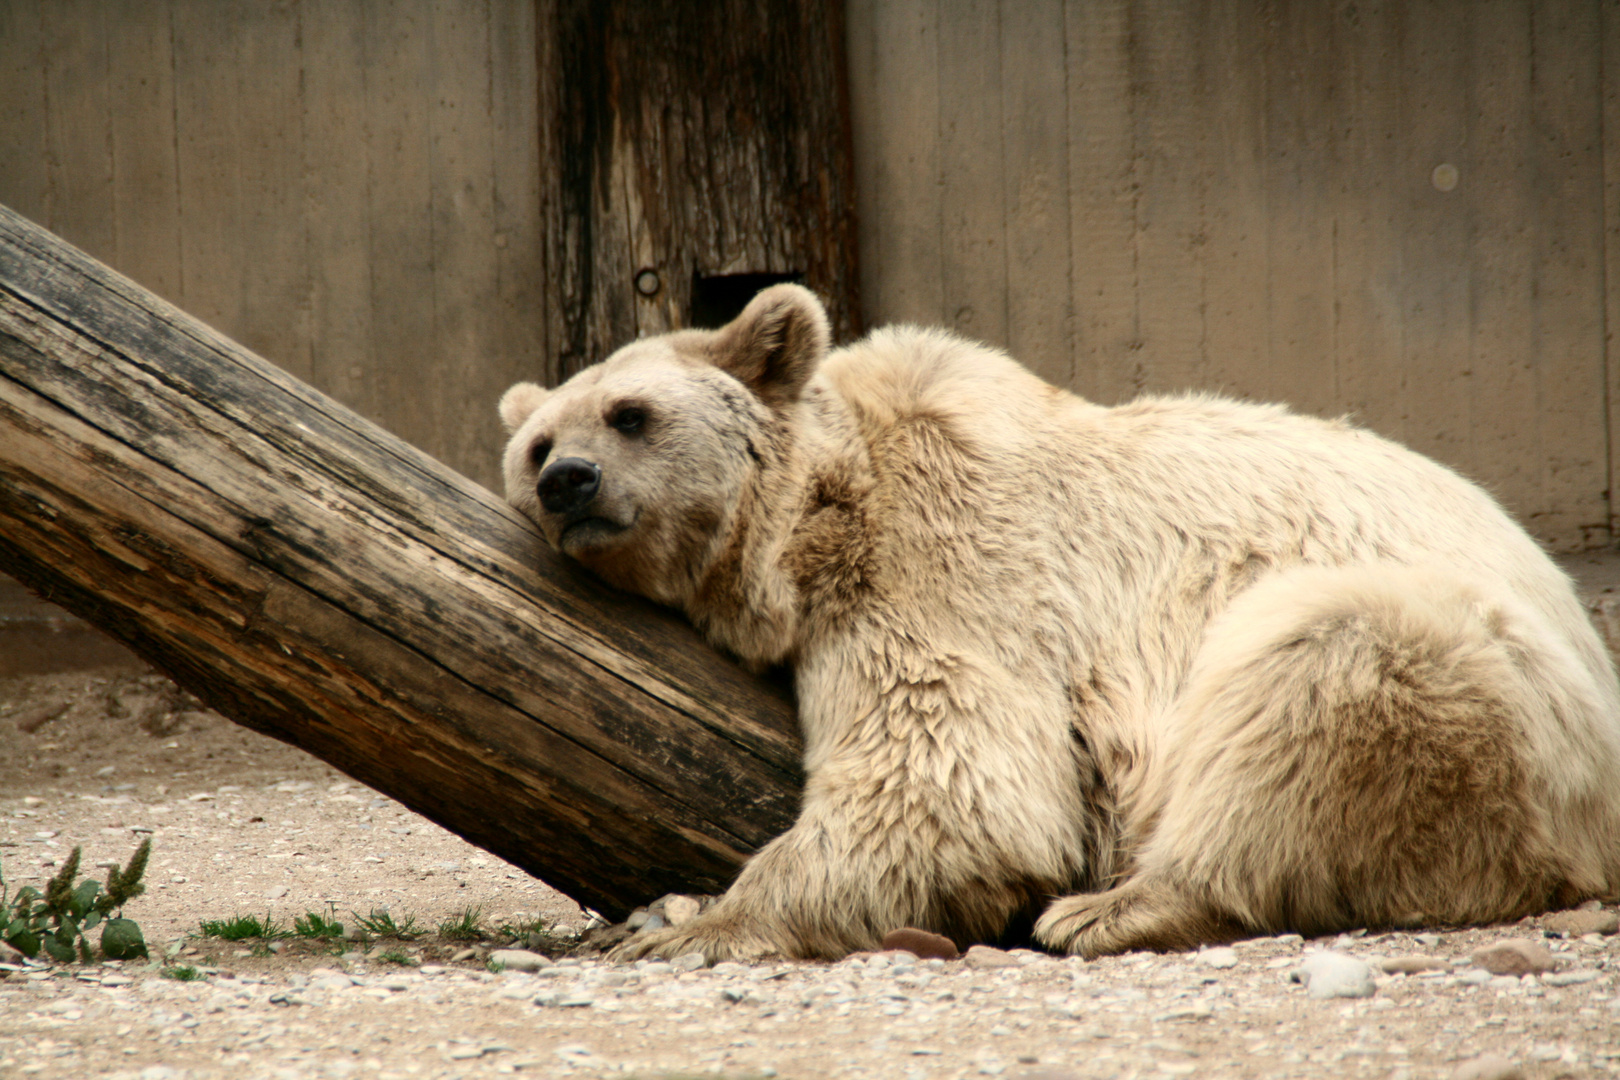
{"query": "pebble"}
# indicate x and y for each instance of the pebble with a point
(1516, 956)
(1335, 975)
(680, 910)
(1488, 1067)
(518, 959)
(1413, 965)
(1571, 978)
(692, 961)
(1580, 922)
(275, 892)
(921, 943)
(984, 956)
(1220, 958)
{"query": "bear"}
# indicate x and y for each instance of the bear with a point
(1135, 677)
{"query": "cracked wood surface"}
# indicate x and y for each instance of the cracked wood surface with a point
(314, 578)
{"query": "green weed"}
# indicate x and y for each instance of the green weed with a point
(466, 927)
(381, 924)
(59, 920)
(243, 927)
(312, 924)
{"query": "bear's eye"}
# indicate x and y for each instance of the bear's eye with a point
(628, 419)
(539, 452)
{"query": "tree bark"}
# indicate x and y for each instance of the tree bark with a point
(689, 143)
(312, 577)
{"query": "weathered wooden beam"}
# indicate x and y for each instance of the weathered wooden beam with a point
(312, 577)
(690, 144)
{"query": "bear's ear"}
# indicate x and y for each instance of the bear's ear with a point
(519, 403)
(775, 345)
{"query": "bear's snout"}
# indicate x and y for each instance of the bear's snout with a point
(568, 484)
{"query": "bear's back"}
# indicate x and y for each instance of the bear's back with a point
(988, 481)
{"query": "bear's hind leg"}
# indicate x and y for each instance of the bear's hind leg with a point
(1352, 748)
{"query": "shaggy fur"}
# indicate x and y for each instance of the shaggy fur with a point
(1167, 673)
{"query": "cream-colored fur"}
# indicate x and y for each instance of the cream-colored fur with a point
(1176, 671)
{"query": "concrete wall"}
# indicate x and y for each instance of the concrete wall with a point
(1249, 196)
(348, 187)
(1405, 211)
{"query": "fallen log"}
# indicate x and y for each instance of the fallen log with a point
(314, 578)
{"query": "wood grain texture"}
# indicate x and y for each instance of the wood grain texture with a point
(316, 579)
(1251, 209)
(706, 139)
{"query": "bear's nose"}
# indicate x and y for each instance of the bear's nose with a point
(567, 484)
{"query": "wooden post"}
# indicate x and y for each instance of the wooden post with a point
(312, 577)
(692, 152)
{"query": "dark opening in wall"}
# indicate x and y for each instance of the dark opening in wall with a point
(717, 300)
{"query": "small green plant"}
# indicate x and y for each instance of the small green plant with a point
(182, 973)
(59, 920)
(312, 924)
(465, 927)
(395, 956)
(242, 928)
(495, 966)
(381, 924)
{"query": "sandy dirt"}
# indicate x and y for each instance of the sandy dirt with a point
(244, 825)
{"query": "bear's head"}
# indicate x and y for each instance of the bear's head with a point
(635, 467)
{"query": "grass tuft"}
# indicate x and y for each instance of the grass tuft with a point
(243, 927)
(468, 926)
(381, 924)
(182, 973)
(312, 924)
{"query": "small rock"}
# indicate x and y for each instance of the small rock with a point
(1194, 1010)
(1516, 956)
(1571, 978)
(1335, 975)
(921, 944)
(275, 892)
(1576, 923)
(983, 956)
(691, 961)
(1412, 965)
(464, 954)
(518, 959)
(1488, 1067)
(1221, 958)
(354, 932)
(1428, 941)
(9, 955)
(680, 910)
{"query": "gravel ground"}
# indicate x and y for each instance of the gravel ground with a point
(242, 824)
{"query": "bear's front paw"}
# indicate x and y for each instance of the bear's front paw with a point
(1136, 915)
(715, 938)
